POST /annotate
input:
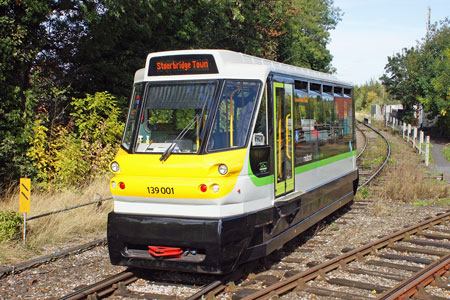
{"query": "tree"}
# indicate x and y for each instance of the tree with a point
(420, 75)
(372, 92)
(308, 33)
(22, 35)
(113, 37)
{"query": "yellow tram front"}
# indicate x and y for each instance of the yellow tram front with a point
(176, 173)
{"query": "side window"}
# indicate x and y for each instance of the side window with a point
(328, 137)
(260, 149)
(344, 116)
(303, 124)
(132, 115)
(259, 137)
(234, 115)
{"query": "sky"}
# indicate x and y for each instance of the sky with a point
(372, 30)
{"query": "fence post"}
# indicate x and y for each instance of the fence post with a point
(427, 152)
(409, 132)
(404, 129)
(415, 137)
(420, 142)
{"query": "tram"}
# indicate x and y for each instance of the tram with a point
(225, 157)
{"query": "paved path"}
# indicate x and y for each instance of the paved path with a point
(441, 163)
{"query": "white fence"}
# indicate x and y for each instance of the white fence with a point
(412, 136)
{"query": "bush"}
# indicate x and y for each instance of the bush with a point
(10, 225)
(72, 155)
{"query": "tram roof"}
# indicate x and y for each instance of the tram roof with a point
(235, 65)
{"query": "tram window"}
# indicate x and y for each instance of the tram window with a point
(344, 108)
(301, 86)
(348, 92)
(234, 115)
(303, 127)
(329, 133)
(174, 113)
(132, 115)
(328, 90)
(260, 150)
(259, 137)
(315, 88)
(338, 91)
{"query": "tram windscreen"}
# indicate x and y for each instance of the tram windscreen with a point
(174, 114)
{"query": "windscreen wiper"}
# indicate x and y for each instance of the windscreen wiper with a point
(183, 132)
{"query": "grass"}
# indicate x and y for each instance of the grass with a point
(47, 234)
(407, 179)
(446, 152)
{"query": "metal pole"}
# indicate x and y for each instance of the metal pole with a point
(24, 229)
(427, 152)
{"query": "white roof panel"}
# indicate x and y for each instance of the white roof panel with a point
(238, 65)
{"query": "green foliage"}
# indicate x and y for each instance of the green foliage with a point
(446, 152)
(421, 75)
(22, 36)
(363, 193)
(307, 33)
(372, 92)
(96, 118)
(10, 225)
(70, 156)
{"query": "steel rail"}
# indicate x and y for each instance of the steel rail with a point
(385, 161)
(292, 282)
(102, 288)
(208, 288)
(408, 288)
(5, 271)
(365, 143)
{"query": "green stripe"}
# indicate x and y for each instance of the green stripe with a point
(261, 181)
(323, 162)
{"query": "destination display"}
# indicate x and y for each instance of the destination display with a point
(182, 65)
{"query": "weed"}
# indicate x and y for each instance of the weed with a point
(405, 178)
(446, 152)
(10, 225)
(362, 194)
(75, 226)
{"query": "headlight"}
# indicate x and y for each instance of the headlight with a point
(115, 167)
(223, 169)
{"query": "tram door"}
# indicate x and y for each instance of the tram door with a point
(283, 137)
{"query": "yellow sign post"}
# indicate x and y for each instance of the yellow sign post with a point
(25, 195)
(24, 202)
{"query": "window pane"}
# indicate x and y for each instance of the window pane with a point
(174, 113)
(132, 115)
(234, 115)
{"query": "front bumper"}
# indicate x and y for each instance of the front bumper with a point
(218, 243)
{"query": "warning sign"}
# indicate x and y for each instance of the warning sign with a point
(25, 195)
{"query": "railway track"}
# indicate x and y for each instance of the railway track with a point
(117, 283)
(367, 174)
(407, 260)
